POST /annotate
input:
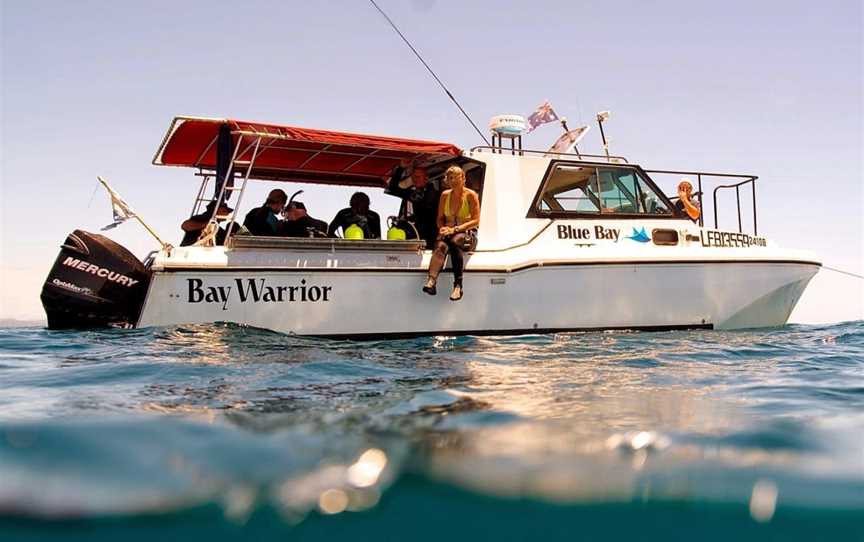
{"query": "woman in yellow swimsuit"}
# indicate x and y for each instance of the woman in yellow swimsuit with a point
(458, 218)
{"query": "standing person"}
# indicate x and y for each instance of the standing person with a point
(458, 218)
(419, 200)
(358, 214)
(264, 220)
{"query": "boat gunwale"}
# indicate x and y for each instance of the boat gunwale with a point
(478, 270)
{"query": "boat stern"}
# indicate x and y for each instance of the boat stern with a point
(94, 283)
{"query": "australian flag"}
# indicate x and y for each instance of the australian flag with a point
(542, 115)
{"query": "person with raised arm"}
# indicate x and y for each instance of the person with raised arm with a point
(419, 199)
(684, 203)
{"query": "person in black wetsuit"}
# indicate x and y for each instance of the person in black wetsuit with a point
(360, 214)
(264, 220)
(298, 223)
(419, 200)
(194, 225)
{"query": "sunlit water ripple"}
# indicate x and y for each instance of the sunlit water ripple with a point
(225, 432)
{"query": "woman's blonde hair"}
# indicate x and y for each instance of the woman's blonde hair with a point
(454, 171)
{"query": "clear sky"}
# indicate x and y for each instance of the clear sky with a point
(772, 88)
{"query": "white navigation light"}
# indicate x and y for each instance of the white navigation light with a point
(603, 116)
(508, 125)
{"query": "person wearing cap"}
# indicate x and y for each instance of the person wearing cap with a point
(684, 203)
(419, 199)
(264, 220)
(194, 225)
(357, 217)
(298, 223)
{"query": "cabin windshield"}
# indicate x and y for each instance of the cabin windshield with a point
(590, 189)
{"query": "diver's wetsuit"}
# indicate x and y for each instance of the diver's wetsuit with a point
(369, 222)
(262, 221)
(301, 227)
(455, 246)
(419, 205)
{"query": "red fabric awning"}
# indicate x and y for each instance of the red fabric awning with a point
(287, 153)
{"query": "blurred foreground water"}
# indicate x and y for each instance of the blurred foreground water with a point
(224, 433)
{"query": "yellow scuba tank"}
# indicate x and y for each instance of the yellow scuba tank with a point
(395, 233)
(354, 232)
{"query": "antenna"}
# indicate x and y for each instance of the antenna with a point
(420, 58)
(601, 118)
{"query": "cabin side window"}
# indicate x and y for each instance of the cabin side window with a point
(584, 189)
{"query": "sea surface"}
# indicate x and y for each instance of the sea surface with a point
(222, 432)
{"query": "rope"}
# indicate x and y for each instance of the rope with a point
(207, 237)
(95, 188)
(420, 58)
(857, 276)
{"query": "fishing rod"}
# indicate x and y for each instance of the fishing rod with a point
(420, 58)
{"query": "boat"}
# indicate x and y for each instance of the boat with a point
(567, 242)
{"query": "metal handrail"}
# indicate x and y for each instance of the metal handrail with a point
(737, 186)
(699, 174)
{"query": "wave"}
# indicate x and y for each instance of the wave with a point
(242, 432)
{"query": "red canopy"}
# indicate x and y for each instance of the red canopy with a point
(287, 153)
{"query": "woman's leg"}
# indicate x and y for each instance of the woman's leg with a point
(457, 257)
(439, 255)
(435, 266)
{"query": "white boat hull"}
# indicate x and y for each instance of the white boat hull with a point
(540, 298)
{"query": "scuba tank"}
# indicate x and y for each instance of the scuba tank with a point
(394, 232)
(354, 232)
(401, 229)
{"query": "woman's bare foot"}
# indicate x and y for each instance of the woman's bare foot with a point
(456, 294)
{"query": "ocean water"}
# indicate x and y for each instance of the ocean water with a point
(222, 432)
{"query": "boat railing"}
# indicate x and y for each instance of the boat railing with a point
(550, 154)
(329, 244)
(704, 177)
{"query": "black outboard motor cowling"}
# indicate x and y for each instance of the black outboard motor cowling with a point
(94, 283)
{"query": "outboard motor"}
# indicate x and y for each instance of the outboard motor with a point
(95, 282)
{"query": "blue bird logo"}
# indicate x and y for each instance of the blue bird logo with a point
(640, 236)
